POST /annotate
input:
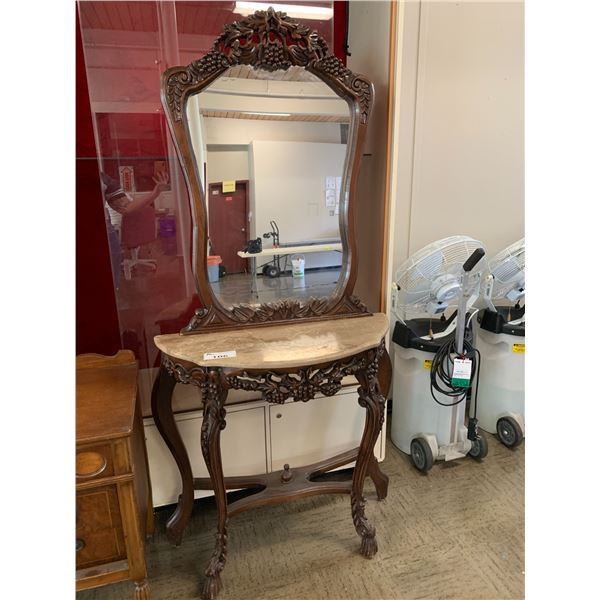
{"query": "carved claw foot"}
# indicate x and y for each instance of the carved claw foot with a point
(212, 586)
(368, 546)
(142, 590)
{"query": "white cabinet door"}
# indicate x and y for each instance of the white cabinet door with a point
(303, 433)
(243, 450)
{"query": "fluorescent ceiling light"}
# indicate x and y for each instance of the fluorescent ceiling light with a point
(266, 114)
(319, 13)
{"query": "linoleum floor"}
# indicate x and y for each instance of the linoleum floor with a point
(454, 534)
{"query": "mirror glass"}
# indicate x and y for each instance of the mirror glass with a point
(270, 149)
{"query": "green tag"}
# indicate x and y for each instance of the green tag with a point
(461, 373)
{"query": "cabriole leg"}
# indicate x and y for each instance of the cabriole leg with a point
(370, 397)
(214, 392)
(162, 412)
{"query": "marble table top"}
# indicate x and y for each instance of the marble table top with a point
(279, 346)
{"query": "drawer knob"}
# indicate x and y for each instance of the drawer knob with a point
(279, 415)
(79, 544)
(89, 464)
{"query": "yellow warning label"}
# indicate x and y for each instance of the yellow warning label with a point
(519, 348)
(427, 364)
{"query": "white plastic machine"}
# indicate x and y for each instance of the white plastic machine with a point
(428, 413)
(501, 342)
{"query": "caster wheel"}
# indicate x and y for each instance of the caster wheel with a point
(271, 271)
(421, 455)
(264, 269)
(479, 448)
(509, 432)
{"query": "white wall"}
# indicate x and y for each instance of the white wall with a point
(296, 148)
(243, 131)
(288, 186)
(229, 138)
(458, 133)
(227, 163)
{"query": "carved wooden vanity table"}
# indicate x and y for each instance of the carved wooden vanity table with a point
(288, 347)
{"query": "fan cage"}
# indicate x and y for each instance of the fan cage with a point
(415, 277)
(508, 268)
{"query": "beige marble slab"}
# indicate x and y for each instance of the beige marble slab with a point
(279, 346)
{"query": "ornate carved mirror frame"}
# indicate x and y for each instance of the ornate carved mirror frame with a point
(271, 41)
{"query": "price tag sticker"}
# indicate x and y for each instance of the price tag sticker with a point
(215, 355)
(461, 373)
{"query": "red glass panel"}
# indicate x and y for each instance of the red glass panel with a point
(127, 45)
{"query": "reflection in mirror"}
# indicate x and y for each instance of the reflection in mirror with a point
(270, 149)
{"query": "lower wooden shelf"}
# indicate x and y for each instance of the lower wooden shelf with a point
(260, 438)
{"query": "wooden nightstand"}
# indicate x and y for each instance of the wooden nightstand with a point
(114, 498)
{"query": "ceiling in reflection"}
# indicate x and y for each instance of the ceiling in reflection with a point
(245, 93)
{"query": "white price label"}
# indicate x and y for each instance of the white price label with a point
(461, 373)
(214, 355)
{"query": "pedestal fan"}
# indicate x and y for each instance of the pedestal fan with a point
(429, 393)
(501, 341)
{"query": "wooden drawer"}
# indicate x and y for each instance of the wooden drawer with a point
(99, 530)
(94, 462)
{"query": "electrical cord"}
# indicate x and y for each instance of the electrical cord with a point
(472, 315)
(441, 374)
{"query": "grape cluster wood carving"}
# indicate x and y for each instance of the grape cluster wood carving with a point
(305, 383)
(276, 387)
(274, 312)
(181, 79)
(267, 40)
(333, 66)
(270, 40)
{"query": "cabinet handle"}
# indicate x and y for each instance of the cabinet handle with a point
(79, 544)
(279, 415)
